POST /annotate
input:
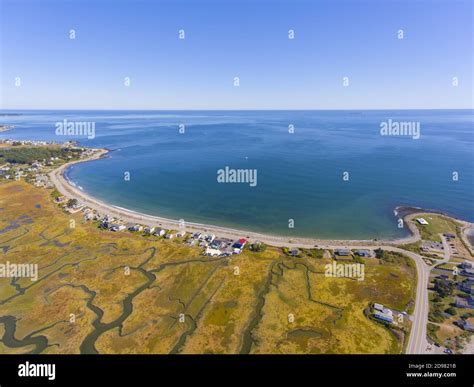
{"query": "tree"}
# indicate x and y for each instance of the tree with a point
(451, 311)
(443, 288)
(379, 253)
(72, 203)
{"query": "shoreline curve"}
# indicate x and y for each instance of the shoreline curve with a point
(66, 188)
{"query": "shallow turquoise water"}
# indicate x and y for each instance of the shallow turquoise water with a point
(299, 175)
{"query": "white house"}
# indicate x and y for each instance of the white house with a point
(422, 221)
(117, 227)
(210, 238)
(378, 307)
(149, 230)
(212, 252)
(159, 232)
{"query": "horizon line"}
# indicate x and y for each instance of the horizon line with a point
(220, 109)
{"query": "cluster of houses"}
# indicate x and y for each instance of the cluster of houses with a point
(109, 223)
(33, 172)
(348, 253)
(211, 245)
(465, 324)
(466, 269)
(467, 286)
(217, 247)
(26, 142)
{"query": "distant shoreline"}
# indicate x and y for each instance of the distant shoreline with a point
(67, 189)
(4, 128)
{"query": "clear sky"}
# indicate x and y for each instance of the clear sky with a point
(246, 39)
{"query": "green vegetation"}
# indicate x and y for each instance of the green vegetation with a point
(258, 247)
(72, 203)
(314, 253)
(55, 194)
(443, 288)
(150, 295)
(27, 155)
(438, 224)
(451, 311)
(432, 330)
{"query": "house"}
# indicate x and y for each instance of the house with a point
(149, 230)
(363, 253)
(117, 227)
(212, 252)
(466, 325)
(169, 236)
(467, 272)
(465, 303)
(465, 265)
(243, 242)
(422, 221)
(60, 199)
(217, 244)
(378, 307)
(239, 245)
(294, 252)
(135, 227)
(210, 238)
(88, 216)
(342, 252)
(197, 235)
(160, 232)
(467, 286)
(383, 317)
(181, 234)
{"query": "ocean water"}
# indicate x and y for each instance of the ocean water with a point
(299, 175)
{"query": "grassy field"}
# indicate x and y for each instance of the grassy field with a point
(438, 224)
(108, 292)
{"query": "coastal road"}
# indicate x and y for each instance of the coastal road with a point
(418, 344)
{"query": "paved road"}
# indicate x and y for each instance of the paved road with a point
(417, 343)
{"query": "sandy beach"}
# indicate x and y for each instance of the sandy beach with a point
(129, 216)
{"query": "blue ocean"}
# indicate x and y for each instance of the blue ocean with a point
(331, 172)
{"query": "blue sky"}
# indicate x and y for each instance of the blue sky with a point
(245, 39)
